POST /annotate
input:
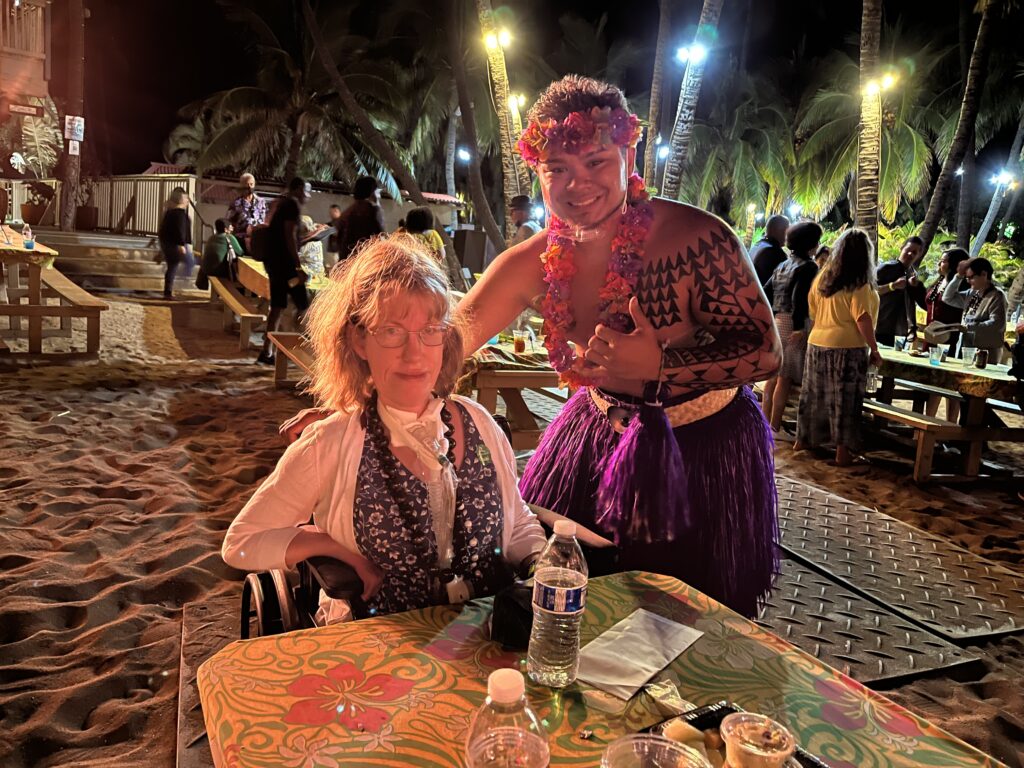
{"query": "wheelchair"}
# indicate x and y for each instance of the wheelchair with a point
(280, 601)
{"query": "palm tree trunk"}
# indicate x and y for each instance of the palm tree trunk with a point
(689, 92)
(449, 150)
(965, 204)
(373, 137)
(516, 178)
(476, 183)
(965, 125)
(291, 165)
(75, 106)
(654, 111)
(1012, 164)
(869, 144)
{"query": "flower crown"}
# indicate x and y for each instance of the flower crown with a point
(601, 125)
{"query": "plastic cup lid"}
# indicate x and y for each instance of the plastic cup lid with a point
(506, 685)
(565, 528)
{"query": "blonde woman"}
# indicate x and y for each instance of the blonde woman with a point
(413, 487)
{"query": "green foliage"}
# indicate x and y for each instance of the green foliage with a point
(41, 140)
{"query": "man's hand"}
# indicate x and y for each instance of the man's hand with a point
(293, 428)
(961, 268)
(797, 335)
(875, 358)
(635, 355)
(899, 285)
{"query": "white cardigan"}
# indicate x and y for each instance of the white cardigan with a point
(317, 475)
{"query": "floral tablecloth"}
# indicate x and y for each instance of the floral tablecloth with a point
(401, 689)
(503, 357)
(992, 381)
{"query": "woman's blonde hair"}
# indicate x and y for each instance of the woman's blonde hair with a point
(354, 301)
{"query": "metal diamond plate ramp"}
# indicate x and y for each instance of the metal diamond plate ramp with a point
(945, 588)
(850, 632)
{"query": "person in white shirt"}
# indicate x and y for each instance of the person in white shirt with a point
(414, 487)
(522, 217)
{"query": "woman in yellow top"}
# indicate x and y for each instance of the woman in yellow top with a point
(843, 304)
(420, 224)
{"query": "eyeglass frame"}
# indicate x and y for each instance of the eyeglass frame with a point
(445, 327)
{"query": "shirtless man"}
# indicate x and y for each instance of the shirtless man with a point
(653, 309)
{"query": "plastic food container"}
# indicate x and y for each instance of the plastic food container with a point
(756, 741)
(645, 750)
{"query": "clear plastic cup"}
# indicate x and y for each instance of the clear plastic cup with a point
(935, 355)
(756, 741)
(645, 750)
(519, 339)
(968, 356)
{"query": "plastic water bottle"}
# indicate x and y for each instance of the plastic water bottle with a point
(26, 236)
(559, 598)
(505, 732)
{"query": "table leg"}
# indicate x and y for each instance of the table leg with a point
(35, 322)
(885, 391)
(488, 398)
(280, 369)
(974, 416)
(518, 412)
(925, 454)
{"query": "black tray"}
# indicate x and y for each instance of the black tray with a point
(711, 716)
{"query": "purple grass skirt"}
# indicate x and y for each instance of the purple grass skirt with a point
(730, 549)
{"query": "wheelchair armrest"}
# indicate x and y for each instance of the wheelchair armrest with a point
(338, 580)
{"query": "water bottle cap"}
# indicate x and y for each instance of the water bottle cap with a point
(506, 686)
(565, 528)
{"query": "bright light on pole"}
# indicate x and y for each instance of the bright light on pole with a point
(538, 212)
(794, 210)
(663, 152)
(504, 38)
(1002, 178)
(463, 154)
(491, 41)
(872, 88)
(751, 208)
(695, 53)
(888, 82)
(960, 171)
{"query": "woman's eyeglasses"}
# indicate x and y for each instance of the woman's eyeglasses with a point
(392, 336)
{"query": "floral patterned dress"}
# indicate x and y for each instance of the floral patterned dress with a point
(391, 520)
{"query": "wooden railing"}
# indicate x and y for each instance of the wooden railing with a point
(22, 28)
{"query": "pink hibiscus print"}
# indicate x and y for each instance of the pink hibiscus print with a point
(467, 641)
(347, 695)
(847, 710)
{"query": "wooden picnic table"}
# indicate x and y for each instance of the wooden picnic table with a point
(976, 386)
(253, 277)
(27, 280)
(401, 689)
(497, 369)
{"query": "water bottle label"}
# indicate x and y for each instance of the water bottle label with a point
(559, 599)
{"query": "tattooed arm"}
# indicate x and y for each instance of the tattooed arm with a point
(726, 301)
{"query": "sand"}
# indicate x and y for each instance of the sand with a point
(119, 477)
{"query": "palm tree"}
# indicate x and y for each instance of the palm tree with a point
(742, 154)
(973, 88)
(869, 149)
(370, 132)
(75, 106)
(1012, 163)
(654, 111)
(827, 130)
(689, 91)
(515, 176)
(476, 185)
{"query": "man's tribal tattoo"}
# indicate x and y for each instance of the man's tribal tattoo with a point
(728, 306)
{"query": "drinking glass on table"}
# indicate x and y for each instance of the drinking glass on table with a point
(519, 339)
(645, 750)
(935, 355)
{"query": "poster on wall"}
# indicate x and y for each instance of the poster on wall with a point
(74, 128)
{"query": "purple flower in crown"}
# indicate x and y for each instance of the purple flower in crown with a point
(624, 127)
(577, 132)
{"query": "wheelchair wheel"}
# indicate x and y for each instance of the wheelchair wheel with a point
(267, 597)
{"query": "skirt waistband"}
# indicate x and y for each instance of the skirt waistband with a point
(684, 413)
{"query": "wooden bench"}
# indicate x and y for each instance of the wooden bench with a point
(290, 348)
(75, 301)
(236, 304)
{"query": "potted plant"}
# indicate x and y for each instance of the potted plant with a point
(87, 215)
(35, 208)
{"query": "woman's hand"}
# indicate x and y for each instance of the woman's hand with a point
(635, 355)
(292, 429)
(371, 576)
(961, 268)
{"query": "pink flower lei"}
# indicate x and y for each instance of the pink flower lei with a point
(601, 125)
(620, 281)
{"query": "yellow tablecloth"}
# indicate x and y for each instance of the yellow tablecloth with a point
(401, 689)
(15, 250)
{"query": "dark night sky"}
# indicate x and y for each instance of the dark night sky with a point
(147, 58)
